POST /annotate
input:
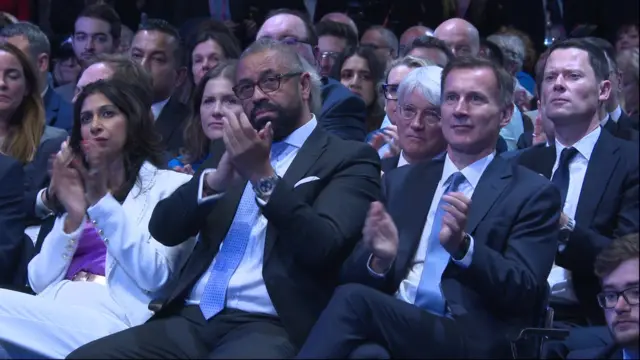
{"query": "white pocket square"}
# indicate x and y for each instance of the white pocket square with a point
(306, 180)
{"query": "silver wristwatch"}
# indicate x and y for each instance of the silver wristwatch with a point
(566, 230)
(265, 186)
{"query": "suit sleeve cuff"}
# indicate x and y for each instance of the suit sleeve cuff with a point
(41, 210)
(465, 262)
(201, 199)
(372, 272)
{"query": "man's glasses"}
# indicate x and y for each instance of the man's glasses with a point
(267, 84)
(390, 91)
(609, 299)
(409, 112)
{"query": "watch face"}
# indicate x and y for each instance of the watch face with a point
(265, 186)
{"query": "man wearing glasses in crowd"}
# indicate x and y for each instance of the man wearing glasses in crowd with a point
(617, 268)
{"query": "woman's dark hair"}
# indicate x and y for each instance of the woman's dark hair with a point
(143, 143)
(375, 112)
(196, 142)
(210, 30)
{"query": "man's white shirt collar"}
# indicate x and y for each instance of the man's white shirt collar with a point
(615, 114)
(156, 108)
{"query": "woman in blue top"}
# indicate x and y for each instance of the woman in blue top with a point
(213, 94)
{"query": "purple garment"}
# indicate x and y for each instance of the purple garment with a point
(91, 254)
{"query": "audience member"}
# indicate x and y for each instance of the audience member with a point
(597, 175)
(99, 266)
(383, 41)
(126, 37)
(65, 68)
(333, 39)
(157, 47)
(206, 49)
(96, 31)
(460, 35)
(341, 18)
(343, 113)
(418, 121)
(360, 71)
(271, 220)
(627, 37)
(450, 276)
(211, 98)
(617, 269)
(491, 51)
(628, 64)
(35, 45)
(409, 35)
(11, 221)
(431, 49)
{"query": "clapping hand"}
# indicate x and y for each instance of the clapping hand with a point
(388, 135)
(380, 236)
(249, 150)
(66, 184)
(454, 221)
(96, 176)
(539, 136)
(187, 169)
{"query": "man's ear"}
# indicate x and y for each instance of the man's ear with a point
(42, 63)
(605, 90)
(181, 76)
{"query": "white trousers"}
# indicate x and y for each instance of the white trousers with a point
(64, 317)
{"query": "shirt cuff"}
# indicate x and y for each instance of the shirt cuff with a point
(202, 200)
(41, 210)
(374, 273)
(465, 262)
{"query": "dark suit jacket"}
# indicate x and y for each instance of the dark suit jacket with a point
(513, 221)
(622, 129)
(310, 231)
(343, 113)
(11, 218)
(525, 140)
(59, 113)
(607, 209)
(608, 352)
(390, 163)
(170, 124)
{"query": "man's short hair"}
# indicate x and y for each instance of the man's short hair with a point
(511, 46)
(126, 69)
(311, 36)
(38, 41)
(617, 252)
(389, 37)
(505, 82)
(429, 42)
(608, 48)
(495, 53)
(339, 30)
(597, 59)
(107, 14)
(162, 26)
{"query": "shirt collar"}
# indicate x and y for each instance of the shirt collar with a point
(156, 108)
(604, 121)
(584, 146)
(615, 114)
(300, 135)
(402, 161)
(472, 172)
(44, 92)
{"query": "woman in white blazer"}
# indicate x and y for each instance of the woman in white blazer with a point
(99, 267)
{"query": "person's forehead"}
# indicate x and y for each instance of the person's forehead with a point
(254, 65)
(398, 73)
(626, 274)
(283, 25)
(372, 36)
(19, 41)
(208, 46)
(356, 62)
(570, 57)
(153, 39)
(471, 79)
(89, 24)
(8, 60)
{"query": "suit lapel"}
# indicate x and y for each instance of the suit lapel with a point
(168, 120)
(307, 156)
(412, 210)
(492, 183)
(599, 170)
(539, 159)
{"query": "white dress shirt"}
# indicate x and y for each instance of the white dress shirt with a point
(157, 108)
(402, 161)
(472, 173)
(560, 278)
(615, 114)
(247, 290)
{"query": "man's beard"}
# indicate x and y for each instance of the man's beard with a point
(284, 122)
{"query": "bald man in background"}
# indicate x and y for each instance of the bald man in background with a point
(460, 35)
(341, 18)
(411, 34)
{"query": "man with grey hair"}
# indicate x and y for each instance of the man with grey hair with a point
(35, 44)
(462, 37)
(418, 121)
(272, 222)
(383, 41)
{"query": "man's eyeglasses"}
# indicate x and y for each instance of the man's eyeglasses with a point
(293, 41)
(390, 91)
(409, 112)
(609, 299)
(267, 84)
(331, 55)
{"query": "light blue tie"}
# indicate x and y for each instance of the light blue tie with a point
(233, 247)
(429, 296)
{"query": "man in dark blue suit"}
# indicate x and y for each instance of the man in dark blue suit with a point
(448, 275)
(35, 44)
(343, 113)
(11, 218)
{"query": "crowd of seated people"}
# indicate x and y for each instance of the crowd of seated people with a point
(316, 195)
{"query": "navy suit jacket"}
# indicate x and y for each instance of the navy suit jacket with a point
(11, 218)
(343, 113)
(607, 209)
(513, 221)
(607, 352)
(59, 112)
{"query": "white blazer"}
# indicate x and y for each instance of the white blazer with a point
(137, 267)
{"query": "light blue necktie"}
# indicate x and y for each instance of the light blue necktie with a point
(429, 296)
(233, 247)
